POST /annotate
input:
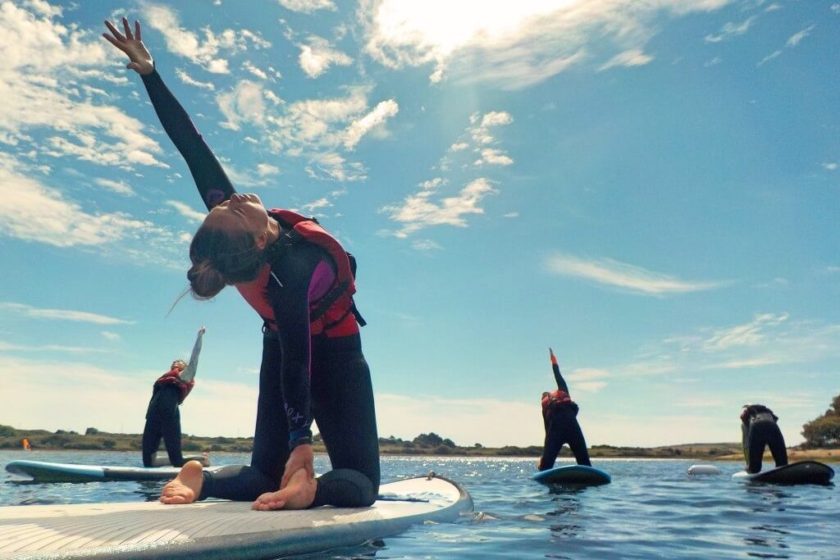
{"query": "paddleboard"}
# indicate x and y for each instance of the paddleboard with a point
(162, 459)
(802, 472)
(220, 529)
(703, 469)
(41, 471)
(580, 475)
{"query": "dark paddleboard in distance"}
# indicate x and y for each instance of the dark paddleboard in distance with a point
(579, 475)
(42, 471)
(801, 472)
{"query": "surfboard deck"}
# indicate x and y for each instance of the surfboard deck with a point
(801, 472)
(581, 475)
(42, 471)
(220, 529)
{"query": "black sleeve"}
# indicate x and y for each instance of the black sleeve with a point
(211, 180)
(561, 383)
(289, 293)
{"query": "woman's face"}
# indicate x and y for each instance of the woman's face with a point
(242, 212)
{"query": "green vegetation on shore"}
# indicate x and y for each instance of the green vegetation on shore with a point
(423, 444)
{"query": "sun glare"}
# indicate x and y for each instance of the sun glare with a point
(446, 25)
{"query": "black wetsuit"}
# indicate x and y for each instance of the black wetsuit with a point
(561, 427)
(302, 377)
(163, 420)
(759, 429)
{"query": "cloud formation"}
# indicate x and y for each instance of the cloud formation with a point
(423, 209)
(515, 44)
(624, 276)
(317, 55)
(42, 118)
(61, 314)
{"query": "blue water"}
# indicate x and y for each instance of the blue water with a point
(652, 509)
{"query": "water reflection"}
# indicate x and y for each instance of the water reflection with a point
(567, 506)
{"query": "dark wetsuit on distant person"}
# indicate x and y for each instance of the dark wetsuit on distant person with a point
(311, 369)
(163, 416)
(560, 421)
(759, 429)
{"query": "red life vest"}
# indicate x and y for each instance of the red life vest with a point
(173, 377)
(555, 398)
(332, 312)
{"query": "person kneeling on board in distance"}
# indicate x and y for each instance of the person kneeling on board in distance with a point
(163, 417)
(561, 426)
(759, 429)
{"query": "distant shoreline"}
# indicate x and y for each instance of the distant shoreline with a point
(94, 440)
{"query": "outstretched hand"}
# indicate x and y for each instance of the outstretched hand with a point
(132, 45)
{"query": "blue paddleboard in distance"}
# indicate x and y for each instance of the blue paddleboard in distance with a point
(801, 472)
(42, 471)
(579, 475)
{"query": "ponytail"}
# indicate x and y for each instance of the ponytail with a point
(221, 258)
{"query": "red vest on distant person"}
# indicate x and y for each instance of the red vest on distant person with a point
(173, 377)
(555, 398)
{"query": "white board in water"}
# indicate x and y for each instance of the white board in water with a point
(219, 529)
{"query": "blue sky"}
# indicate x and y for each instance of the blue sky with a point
(651, 188)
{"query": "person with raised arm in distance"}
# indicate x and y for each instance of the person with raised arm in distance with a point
(163, 415)
(560, 420)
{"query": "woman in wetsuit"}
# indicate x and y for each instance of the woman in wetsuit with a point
(759, 430)
(561, 426)
(163, 417)
(312, 362)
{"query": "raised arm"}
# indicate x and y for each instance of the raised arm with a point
(189, 372)
(561, 383)
(210, 179)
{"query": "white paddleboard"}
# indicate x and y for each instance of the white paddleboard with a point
(703, 469)
(219, 529)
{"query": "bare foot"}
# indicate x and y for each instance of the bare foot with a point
(186, 487)
(299, 493)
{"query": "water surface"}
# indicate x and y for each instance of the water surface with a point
(652, 509)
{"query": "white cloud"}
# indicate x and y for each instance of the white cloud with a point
(492, 156)
(187, 211)
(255, 71)
(37, 47)
(119, 187)
(317, 55)
(315, 205)
(731, 29)
(831, 166)
(513, 44)
(31, 215)
(750, 334)
(624, 276)
(61, 314)
(190, 81)
(797, 38)
(307, 6)
(419, 210)
(632, 57)
(792, 42)
(206, 50)
(375, 118)
(246, 103)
